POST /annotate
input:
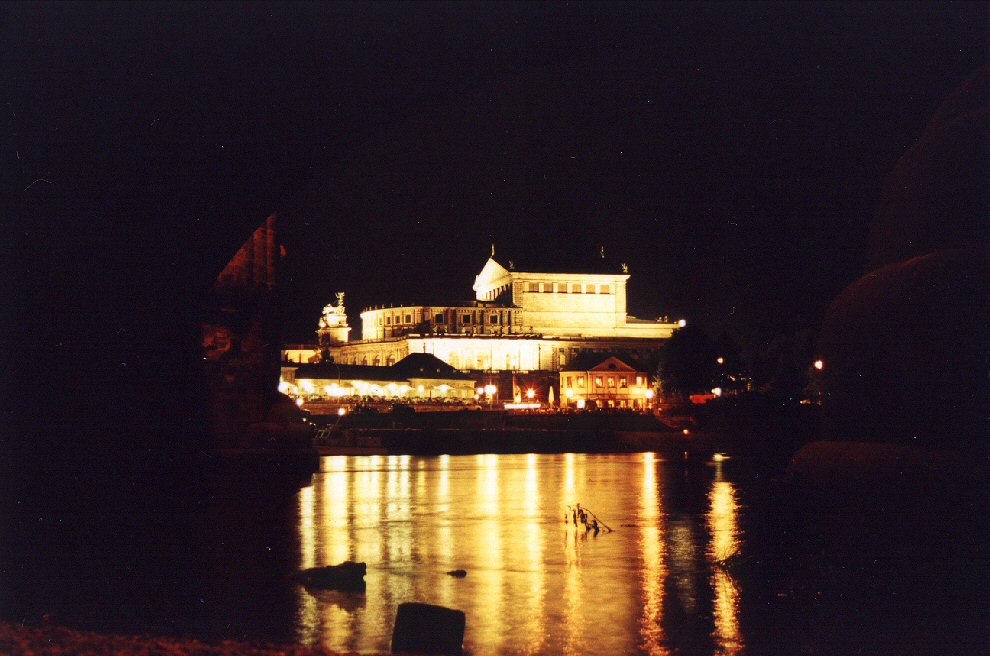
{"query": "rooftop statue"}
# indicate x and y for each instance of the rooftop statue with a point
(334, 314)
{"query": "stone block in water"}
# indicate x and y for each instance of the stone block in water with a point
(423, 628)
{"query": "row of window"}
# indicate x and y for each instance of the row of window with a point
(467, 318)
(606, 381)
(568, 288)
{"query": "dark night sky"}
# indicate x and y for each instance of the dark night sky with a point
(732, 154)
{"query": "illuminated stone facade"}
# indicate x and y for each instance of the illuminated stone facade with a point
(605, 382)
(417, 376)
(518, 321)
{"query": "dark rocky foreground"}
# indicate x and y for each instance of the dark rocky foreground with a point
(15, 639)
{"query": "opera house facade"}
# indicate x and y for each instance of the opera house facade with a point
(519, 320)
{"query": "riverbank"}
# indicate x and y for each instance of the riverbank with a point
(50, 639)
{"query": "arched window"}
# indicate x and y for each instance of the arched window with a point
(364, 360)
(377, 361)
(390, 361)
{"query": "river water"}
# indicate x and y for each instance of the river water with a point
(221, 565)
(536, 584)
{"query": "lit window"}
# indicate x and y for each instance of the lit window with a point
(611, 381)
(606, 289)
(598, 381)
(623, 382)
(408, 318)
(580, 381)
(532, 287)
(569, 380)
(639, 381)
(589, 289)
(388, 321)
(576, 288)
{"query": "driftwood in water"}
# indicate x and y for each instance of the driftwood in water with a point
(578, 513)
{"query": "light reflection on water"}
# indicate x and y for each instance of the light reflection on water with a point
(535, 584)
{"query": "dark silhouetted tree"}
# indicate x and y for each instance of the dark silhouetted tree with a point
(686, 363)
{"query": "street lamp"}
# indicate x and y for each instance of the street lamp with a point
(530, 393)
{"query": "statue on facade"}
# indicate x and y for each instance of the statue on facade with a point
(333, 328)
(334, 315)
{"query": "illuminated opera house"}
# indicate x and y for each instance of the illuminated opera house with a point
(520, 320)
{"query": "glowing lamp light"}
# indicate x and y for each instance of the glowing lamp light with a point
(490, 390)
(718, 457)
(342, 411)
(530, 393)
(682, 323)
(720, 360)
(443, 388)
(686, 431)
(480, 390)
(717, 391)
(570, 394)
(580, 404)
(299, 401)
(819, 365)
(650, 394)
(420, 389)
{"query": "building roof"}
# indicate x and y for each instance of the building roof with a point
(591, 265)
(426, 365)
(588, 361)
(414, 365)
(332, 370)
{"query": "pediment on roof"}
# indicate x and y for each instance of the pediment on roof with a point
(612, 364)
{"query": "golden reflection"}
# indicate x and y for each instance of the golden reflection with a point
(500, 517)
(444, 535)
(308, 623)
(533, 541)
(573, 606)
(652, 550)
(307, 541)
(724, 543)
(488, 532)
(333, 517)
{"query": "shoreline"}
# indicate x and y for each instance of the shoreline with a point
(57, 639)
